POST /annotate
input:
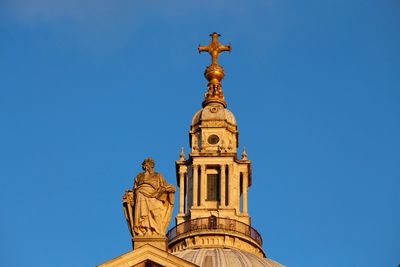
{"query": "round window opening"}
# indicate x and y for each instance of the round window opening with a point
(213, 139)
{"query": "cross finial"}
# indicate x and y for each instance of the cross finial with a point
(214, 48)
(214, 73)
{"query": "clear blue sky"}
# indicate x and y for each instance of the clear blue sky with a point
(88, 89)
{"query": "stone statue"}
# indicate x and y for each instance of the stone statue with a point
(148, 207)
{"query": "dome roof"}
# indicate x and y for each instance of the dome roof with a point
(214, 113)
(225, 257)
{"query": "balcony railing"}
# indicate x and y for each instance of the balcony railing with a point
(214, 223)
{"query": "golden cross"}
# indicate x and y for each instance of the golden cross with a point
(214, 48)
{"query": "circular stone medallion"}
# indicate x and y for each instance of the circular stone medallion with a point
(213, 139)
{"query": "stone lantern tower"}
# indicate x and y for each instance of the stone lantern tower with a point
(213, 181)
(213, 184)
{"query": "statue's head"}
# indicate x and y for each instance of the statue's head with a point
(148, 164)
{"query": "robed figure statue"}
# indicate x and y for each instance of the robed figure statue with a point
(148, 207)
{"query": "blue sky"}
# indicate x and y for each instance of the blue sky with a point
(88, 89)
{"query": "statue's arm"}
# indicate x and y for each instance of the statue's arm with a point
(162, 180)
(163, 183)
(137, 181)
(166, 186)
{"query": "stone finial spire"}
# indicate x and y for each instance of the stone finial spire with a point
(182, 155)
(244, 154)
(214, 73)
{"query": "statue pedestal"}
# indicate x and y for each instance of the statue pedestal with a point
(156, 241)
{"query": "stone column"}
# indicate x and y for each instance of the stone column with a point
(231, 185)
(195, 184)
(181, 191)
(222, 186)
(245, 188)
(203, 188)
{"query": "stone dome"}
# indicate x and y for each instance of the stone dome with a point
(214, 112)
(224, 257)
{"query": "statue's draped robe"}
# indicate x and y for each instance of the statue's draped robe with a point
(153, 204)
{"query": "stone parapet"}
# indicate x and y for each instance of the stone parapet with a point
(215, 232)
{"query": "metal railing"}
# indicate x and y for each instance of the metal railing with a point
(214, 223)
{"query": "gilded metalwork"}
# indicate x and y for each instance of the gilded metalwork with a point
(214, 73)
(214, 48)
